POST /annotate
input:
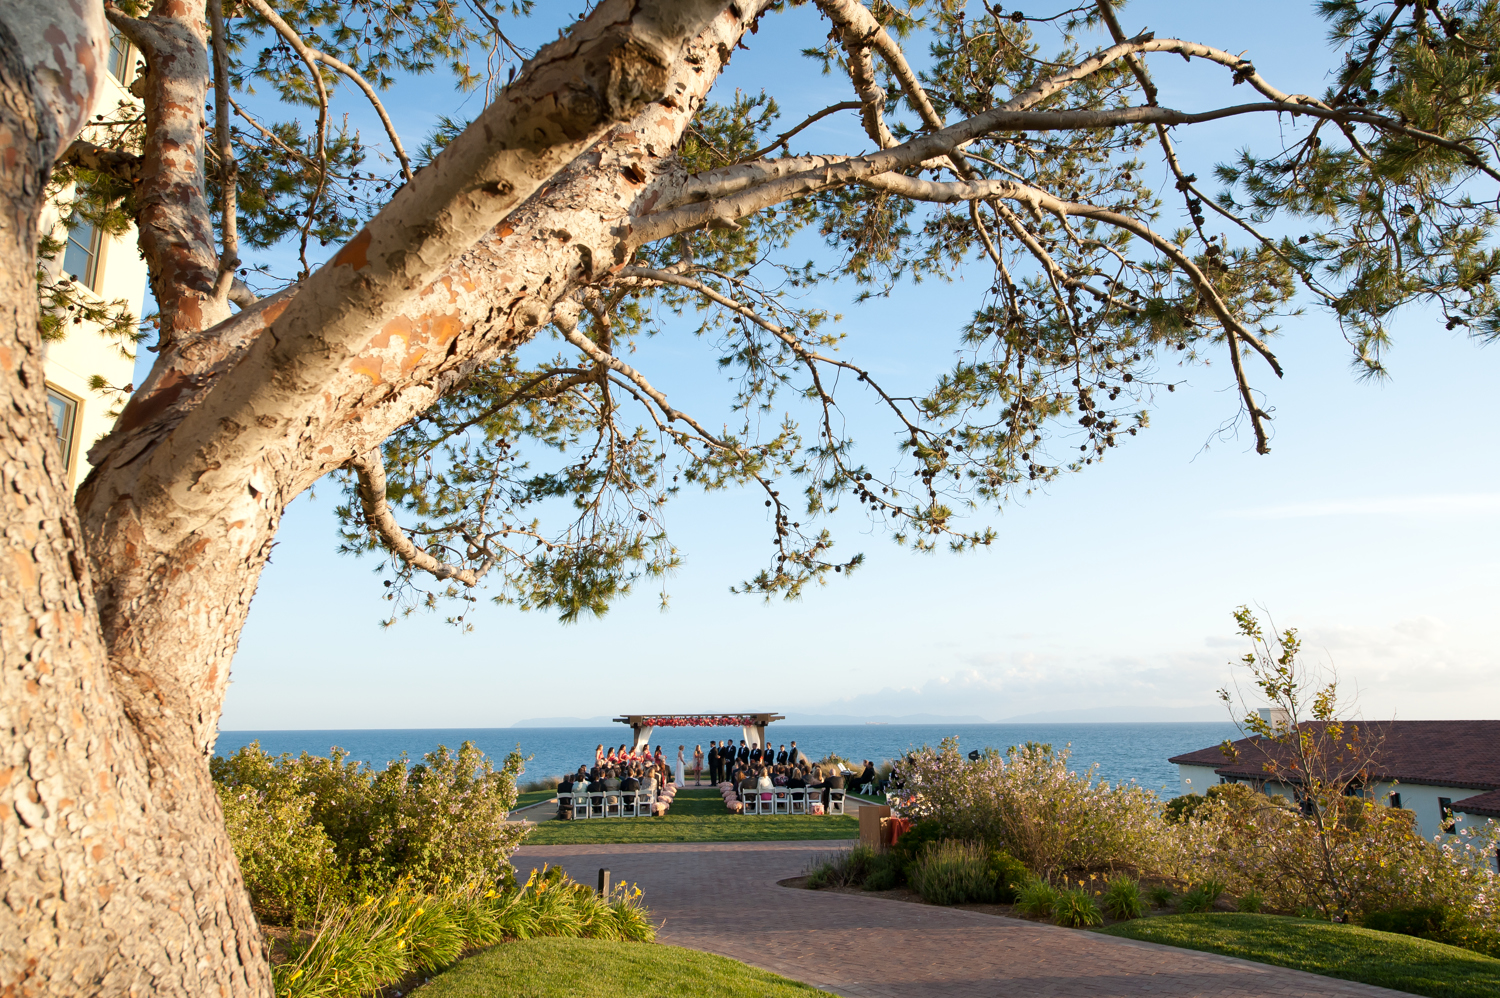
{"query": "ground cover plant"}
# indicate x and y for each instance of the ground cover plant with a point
(697, 815)
(569, 968)
(1351, 953)
(361, 947)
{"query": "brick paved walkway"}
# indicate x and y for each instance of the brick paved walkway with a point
(723, 898)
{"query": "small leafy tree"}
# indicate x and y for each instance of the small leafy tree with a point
(1331, 846)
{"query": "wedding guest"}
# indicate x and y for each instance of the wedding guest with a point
(763, 780)
(781, 757)
(796, 780)
(867, 777)
(697, 765)
(648, 782)
(833, 781)
(612, 780)
(630, 782)
(779, 779)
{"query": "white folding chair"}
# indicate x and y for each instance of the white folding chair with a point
(645, 803)
(751, 800)
(797, 802)
(835, 801)
(564, 803)
(612, 805)
(628, 800)
(596, 805)
(781, 801)
(580, 806)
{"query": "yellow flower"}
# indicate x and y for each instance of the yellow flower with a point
(419, 911)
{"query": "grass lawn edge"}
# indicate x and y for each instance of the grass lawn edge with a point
(1343, 952)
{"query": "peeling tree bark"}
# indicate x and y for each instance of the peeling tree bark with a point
(104, 892)
(115, 869)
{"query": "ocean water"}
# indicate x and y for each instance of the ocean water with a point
(1122, 752)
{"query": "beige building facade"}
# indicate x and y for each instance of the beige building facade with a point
(107, 268)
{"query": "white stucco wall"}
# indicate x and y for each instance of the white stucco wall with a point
(84, 352)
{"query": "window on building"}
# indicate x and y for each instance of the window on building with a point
(119, 57)
(64, 420)
(1394, 798)
(81, 258)
(1445, 814)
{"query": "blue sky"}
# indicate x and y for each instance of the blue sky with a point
(1369, 526)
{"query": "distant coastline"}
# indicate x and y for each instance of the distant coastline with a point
(1084, 715)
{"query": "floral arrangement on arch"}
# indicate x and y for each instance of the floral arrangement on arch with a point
(698, 721)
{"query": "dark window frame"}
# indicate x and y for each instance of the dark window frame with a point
(1446, 819)
(92, 248)
(1394, 798)
(118, 61)
(64, 409)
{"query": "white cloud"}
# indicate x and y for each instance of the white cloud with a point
(1453, 505)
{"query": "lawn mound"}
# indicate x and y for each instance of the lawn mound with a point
(573, 968)
(1350, 953)
(697, 815)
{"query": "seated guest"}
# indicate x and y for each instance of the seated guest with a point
(612, 780)
(779, 779)
(647, 782)
(795, 781)
(630, 782)
(747, 783)
(868, 776)
(833, 781)
(565, 805)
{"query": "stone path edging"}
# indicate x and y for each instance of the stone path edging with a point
(723, 897)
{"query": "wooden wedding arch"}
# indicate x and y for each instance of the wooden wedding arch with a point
(753, 725)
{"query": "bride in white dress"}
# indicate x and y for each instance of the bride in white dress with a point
(681, 763)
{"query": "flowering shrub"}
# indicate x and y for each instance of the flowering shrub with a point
(1032, 805)
(1365, 858)
(286, 858)
(445, 817)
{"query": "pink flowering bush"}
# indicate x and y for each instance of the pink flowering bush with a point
(1030, 803)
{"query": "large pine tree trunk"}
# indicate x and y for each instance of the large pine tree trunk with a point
(117, 630)
(116, 875)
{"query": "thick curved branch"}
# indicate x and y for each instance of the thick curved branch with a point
(854, 19)
(115, 163)
(370, 467)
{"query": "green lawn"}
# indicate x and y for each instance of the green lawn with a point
(532, 796)
(1403, 963)
(697, 815)
(592, 968)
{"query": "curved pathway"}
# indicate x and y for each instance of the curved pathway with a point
(723, 898)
